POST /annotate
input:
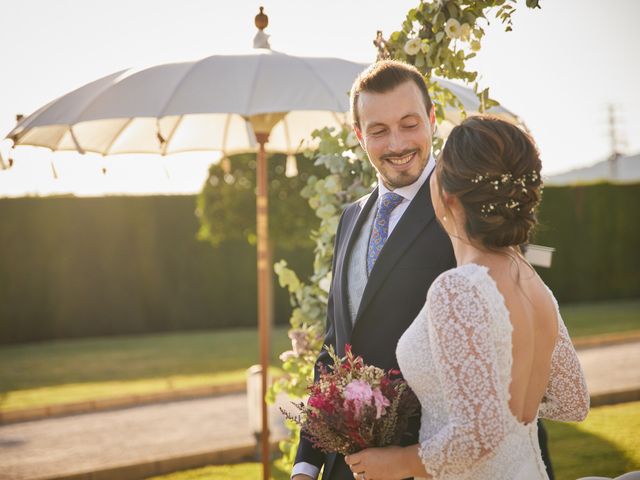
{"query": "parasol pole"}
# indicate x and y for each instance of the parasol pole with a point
(261, 131)
(264, 278)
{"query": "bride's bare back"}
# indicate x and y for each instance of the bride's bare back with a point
(534, 318)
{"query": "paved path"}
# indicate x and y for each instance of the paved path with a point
(96, 441)
(83, 443)
(611, 368)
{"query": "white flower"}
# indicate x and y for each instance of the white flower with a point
(452, 28)
(412, 47)
(465, 32)
(361, 154)
(299, 341)
(284, 356)
(352, 140)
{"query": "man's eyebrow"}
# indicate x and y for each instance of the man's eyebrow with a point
(381, 124)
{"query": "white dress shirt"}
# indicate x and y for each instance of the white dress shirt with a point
(408, 193)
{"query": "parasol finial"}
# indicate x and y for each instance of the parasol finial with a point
(262, 20)
(261, 40)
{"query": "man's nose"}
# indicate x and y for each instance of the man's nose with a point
(396, 141)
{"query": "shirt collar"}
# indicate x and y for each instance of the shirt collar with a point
(408, 192)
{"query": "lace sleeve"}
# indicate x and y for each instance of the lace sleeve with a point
(566, 397)
(463, 345)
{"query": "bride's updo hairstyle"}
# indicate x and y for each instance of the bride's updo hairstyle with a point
(493, 168)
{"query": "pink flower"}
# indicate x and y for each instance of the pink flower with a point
(359, 393)
(380, 401)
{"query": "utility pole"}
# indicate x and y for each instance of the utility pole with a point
(615, 143)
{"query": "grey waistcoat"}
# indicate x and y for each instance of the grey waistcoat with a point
(357, 267)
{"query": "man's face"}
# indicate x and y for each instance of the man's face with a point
(396, 130)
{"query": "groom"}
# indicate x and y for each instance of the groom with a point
(389, 247)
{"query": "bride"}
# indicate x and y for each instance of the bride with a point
(489, 353)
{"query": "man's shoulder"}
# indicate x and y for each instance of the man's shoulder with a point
(359, 204)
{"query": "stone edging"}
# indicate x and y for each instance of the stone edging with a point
(169, 465)
(606, 339)
(612, 398)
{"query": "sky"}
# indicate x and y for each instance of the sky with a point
(559, 70)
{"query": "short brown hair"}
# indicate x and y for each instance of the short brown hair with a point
(493, 168)
(384, 76)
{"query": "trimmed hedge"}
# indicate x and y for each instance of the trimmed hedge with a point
(595, 230)
(77, 267)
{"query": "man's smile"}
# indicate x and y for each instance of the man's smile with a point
(402, 162)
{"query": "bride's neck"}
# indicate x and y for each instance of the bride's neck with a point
(467, 251)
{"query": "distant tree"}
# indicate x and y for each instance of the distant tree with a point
(226, 206)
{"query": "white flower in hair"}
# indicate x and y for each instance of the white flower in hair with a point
(413, 46)
(452, 28)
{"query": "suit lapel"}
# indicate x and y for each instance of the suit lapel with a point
(352, 230)
(417, 216)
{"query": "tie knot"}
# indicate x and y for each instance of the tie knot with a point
(389, 201)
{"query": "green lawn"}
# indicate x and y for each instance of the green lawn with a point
(587, 319)
(605, 444)
(46, 373)
(241, 471)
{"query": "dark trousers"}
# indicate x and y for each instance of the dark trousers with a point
(542, 439)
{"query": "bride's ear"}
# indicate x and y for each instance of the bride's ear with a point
(449, 200)
(452, 205)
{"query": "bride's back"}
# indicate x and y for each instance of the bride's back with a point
(534, 318)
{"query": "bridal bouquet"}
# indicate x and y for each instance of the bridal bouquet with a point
(354, 406)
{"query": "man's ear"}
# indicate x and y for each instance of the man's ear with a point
(432, 118)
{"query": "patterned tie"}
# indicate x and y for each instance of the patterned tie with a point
(380, 230)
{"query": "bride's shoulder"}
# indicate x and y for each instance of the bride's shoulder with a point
(463, 290)
(469, 274)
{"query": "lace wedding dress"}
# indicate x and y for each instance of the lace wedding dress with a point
(456, 356)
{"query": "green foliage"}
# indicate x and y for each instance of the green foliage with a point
(78, 267)
(349, 176)
(227, 202)
(596, 237)
(438, 38)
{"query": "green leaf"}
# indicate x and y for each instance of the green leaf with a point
(452, 9)
(395, 36)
